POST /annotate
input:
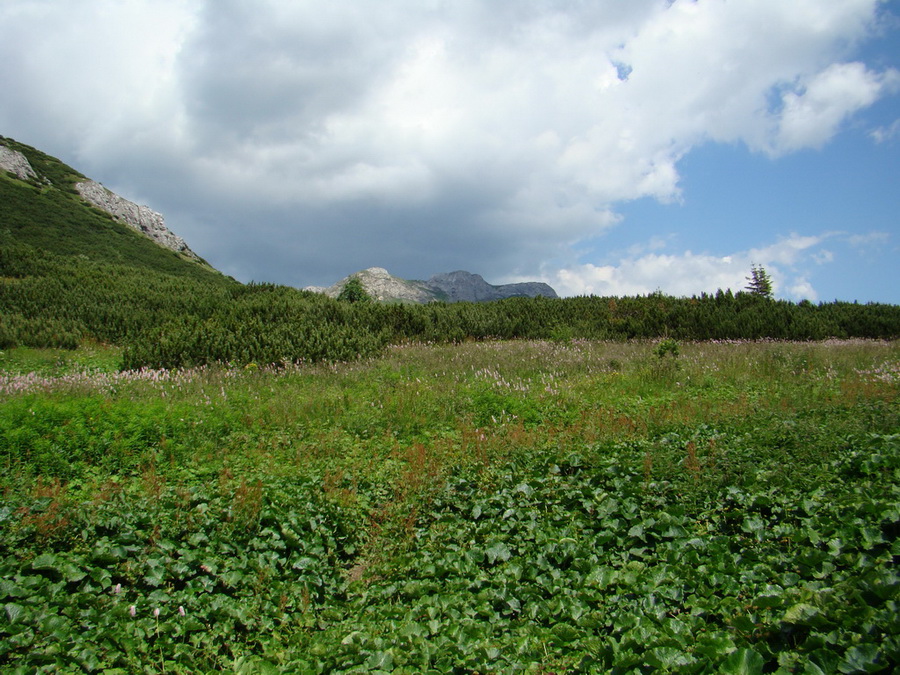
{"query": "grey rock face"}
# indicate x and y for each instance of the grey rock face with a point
(141, 218)
(16, 163)
(453, 287)
(383, 287)
(467, 287)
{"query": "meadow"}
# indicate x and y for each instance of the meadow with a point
(527, 506)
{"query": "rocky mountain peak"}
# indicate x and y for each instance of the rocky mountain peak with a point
(468, 287)
(459, 286)
(141, 218)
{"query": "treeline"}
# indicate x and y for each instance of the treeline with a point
(168, 320)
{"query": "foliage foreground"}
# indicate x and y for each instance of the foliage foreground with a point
(485, 507)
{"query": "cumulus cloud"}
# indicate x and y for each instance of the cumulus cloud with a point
(810, 118)
(687, 273)
(299, 141)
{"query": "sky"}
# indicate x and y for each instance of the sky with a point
(604, 147)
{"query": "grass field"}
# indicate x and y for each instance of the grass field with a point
(538, 507)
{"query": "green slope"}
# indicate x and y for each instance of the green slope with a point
(48, 214)
(70, 272)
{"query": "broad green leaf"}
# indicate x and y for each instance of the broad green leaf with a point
(714, 647)
(525, 489)
(801, 613)
(9, 589)
(862, 658)
(743, 662)
(601, 577)
(13, 611)
(668, 657)
(381, 661)
(497, 551)
(46, 562)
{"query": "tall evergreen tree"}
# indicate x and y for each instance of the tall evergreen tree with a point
(759, 282)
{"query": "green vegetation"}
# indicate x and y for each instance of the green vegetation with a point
(353, 291)
(202, 476)
(759, 282)
(525, 506)
(70, 274)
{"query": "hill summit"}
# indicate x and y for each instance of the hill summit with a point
(34, 168)
(459, 286)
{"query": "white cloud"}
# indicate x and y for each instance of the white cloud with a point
(505, 132)
(687, 273)
(811, 117)
(886, 134)
(801, 288)
(869, 239)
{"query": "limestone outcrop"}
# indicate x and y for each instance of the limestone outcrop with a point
(141, 218)
(384, 287)
(16, 163)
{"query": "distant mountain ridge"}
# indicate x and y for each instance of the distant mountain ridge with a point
(459, 286)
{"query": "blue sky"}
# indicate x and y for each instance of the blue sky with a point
(607, 147)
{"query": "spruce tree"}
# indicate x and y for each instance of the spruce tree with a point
(760, 284)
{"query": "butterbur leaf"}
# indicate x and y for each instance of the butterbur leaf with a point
(743, 662)
(497, 551)
(8, 589)
(13, 611)
(46, 562)
(801, 614)
(565, 632)
(768, 599)
(601, 577)
(380, 661)
(861, 659)
(715, 646)
(668, 657)
(72, 573)
(525, 489)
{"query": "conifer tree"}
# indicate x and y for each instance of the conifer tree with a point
(353, 291)
(760, 283)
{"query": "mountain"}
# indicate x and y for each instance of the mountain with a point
(462, 286)
(64, 189)
(456, 286)
(78, 262)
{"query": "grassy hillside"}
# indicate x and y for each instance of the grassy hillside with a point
(49, 215)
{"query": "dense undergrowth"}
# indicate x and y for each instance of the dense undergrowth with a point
(168, 320)
(538, 507)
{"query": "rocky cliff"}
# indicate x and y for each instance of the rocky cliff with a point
(384, 287)
(141, 218)
(16, 163)
(453, 287)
